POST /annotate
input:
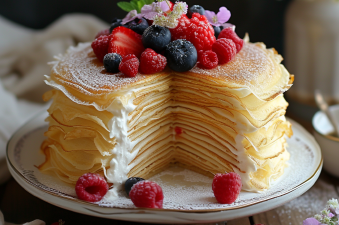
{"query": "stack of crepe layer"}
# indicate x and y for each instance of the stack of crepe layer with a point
(232, 118)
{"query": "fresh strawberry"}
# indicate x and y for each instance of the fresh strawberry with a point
(125, 41)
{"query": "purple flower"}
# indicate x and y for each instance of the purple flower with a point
(311, 221)
(221, 17)
(150, 11)
(131, 16)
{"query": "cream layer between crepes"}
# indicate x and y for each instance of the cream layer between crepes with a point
(232, 118)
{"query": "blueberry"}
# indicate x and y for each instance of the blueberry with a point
(115, 23)
(111, 62)
(156, 37)
(130, 182)
(181, 55)
(138, 25)
(195, 9)
(217, 30)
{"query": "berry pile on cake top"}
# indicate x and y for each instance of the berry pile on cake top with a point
(156, 34)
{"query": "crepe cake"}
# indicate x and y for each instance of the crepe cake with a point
(230, 118)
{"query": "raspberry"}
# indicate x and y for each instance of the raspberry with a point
(147, 194)
(180, 31)
(226, 187)
(200, 32)
(102, 32)
(178, 130)
(129, 65)
(152, 62)
(230, 34)
(208, 59)
(100, 46)
(91, 187)
(225, 49)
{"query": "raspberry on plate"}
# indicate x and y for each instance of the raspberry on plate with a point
(152, 62)
(100, 46)
(125, 41)
(226, 187)
(230, 34)
(208, 59)
(147, 194)
(129, 65)
(225, 49)
(91, 187)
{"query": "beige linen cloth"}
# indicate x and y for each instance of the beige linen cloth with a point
(24, 54)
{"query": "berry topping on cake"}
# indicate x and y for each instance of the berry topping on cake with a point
(102, 32)
(180, 31)
(200, 32)
(178, 130)
(115, 23)
(91, 187)
(152, 62)
(208, 59)
(195, 9)
(181, 55)
(138, 25)
(111, 62)
(225, 49)
(226, 187)
(217, 30)
(130, 182)
(129, 65)
(230, 34)
(156, 37)
(100, 46)
(147, 194)
(125, 41)
(196, 30)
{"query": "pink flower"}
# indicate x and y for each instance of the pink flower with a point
(131, 16)
(150, 11)
(311, 221)
(218, 19)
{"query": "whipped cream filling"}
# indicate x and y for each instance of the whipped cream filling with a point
(118, 125)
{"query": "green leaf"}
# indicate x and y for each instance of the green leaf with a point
(148, 2)
(140, 5)
(135, 6)
(126, 6)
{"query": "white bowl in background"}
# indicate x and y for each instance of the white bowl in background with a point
(329, 144)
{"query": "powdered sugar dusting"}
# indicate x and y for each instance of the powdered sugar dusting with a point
(80, 69)
(183, 189)
(254, 67)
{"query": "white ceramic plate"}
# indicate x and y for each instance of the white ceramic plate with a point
(188, 195)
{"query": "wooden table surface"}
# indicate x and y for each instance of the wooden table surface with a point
(18, 206)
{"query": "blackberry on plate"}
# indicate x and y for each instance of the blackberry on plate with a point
(111, 62)
(181, 55)
(156, 37)
(195, 9)
(130, 182)
(138, 25)
(115, 23)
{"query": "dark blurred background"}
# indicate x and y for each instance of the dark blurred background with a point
(262, 19)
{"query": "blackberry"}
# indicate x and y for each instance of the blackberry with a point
(195, 9)
(130, 182)
(111, 62)
(156, 37)
(137, 25)
(181, 55)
